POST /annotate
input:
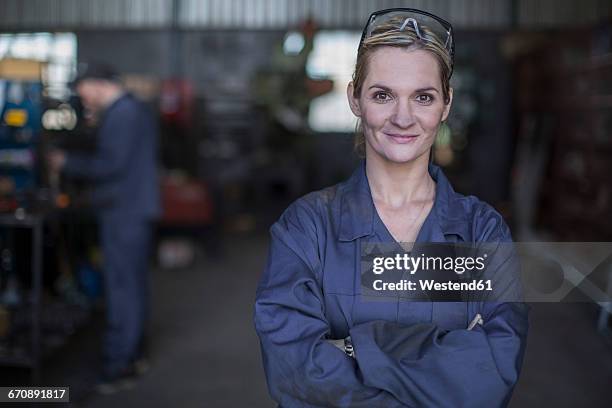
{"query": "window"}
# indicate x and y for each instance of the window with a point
(59, 50)
(333, 56)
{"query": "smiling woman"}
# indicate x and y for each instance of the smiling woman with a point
(323, 342)
(406, 69)
(401, 94)
(400, 103)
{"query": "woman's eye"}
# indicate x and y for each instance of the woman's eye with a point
(425, 99)
(382, 97)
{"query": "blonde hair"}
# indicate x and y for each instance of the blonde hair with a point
(390, 34)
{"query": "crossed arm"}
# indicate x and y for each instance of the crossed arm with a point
(394, 365)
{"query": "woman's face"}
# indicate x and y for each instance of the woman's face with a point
(401, 104)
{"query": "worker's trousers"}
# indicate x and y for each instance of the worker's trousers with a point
(126, 246)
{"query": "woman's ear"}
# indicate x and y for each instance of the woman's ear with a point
(448, 105)
(353, 102)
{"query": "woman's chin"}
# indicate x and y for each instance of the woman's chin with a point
(401, 156)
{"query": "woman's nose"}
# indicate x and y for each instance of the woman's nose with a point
(402, 115)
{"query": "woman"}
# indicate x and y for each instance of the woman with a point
(323, 344)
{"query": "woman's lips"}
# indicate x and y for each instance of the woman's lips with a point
(401, 138)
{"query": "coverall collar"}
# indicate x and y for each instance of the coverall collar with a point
(357, 211)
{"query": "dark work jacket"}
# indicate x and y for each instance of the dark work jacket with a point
(414, 354)
(124, 167)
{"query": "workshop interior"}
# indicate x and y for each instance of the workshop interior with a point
(248, 100)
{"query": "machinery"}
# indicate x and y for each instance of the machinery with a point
(20, 129)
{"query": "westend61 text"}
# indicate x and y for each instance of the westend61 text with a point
(429, 284)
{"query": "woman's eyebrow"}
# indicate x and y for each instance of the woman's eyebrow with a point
(430, 88)
(384, 88)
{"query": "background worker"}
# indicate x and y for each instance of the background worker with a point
(124, 171)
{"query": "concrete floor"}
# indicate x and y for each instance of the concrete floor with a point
(205, 352)
(204, 349)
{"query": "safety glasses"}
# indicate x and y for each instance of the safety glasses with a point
(424, 24)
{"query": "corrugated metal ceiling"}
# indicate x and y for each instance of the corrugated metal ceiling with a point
(266, 14)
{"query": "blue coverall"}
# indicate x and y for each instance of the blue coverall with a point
(124, 169)
(415, 354)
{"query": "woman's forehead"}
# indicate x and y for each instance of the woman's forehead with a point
(403, 68)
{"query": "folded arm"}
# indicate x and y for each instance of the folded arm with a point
(302, 368)
(422, 365)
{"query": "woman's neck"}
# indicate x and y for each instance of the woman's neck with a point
(399, 184)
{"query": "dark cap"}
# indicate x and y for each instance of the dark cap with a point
(96, 70)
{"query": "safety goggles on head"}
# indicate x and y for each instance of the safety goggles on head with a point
(423, 23)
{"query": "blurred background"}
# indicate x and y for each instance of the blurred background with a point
(249, 101)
